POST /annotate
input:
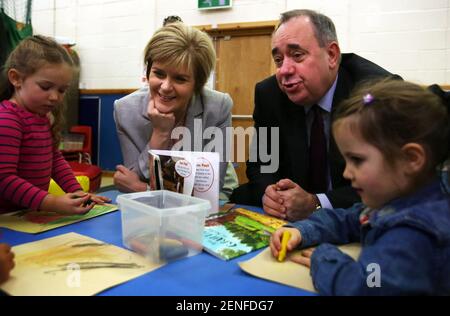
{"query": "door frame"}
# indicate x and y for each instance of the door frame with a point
(239, 29)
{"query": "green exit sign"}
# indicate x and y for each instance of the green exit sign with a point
(214, 4)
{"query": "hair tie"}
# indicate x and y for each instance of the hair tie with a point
(368, 99)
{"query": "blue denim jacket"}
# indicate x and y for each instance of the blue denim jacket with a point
(409, 240)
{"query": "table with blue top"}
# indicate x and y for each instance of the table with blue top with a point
(199, 275)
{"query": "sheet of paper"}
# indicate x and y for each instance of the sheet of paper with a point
(37, 222)
(72, 264)
(265, 266)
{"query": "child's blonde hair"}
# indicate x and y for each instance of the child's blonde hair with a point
(28, 57)
(392, 113)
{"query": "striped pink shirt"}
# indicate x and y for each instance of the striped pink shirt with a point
(28, 160)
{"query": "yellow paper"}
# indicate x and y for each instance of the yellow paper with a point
(55, 189)
(72, 264)
(265, 266)
(36, 222)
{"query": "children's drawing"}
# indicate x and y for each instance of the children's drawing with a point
(36, 222)
(72, 264)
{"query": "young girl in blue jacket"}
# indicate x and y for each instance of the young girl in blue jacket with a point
(394, 136)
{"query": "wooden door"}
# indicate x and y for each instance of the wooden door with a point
(243, 59)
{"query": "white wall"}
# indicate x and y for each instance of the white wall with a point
(407, 37)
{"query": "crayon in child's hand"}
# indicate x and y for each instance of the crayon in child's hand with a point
(284, 240)
(88, 202)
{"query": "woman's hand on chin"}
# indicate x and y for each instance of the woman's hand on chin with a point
(162, 123)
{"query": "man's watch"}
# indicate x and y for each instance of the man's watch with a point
(317, 204)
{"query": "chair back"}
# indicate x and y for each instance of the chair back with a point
(87, 132)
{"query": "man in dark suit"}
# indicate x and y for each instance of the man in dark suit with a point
(311, 79)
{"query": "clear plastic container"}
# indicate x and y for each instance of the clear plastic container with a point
(163, 225)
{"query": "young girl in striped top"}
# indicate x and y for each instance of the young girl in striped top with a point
(36, 76)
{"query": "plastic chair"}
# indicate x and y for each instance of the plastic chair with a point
(93, 172)
(86, 152)
(84, 166)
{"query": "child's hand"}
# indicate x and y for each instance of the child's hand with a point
(6, 262)
(275, 240)
(98, 199)
(69, 203)
(304, 257)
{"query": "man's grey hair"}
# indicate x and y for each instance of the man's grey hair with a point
(324, 29)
